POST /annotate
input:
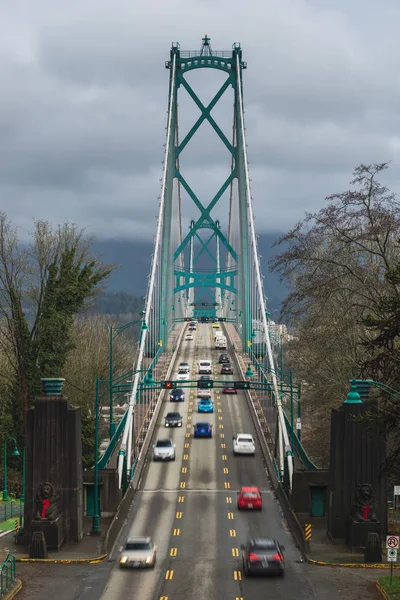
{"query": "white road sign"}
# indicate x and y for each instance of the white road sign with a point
(392, 541)
(298, 426)
(397, 490)
(392, 555)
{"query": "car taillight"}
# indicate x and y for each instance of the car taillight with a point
(253, 557)
(277, 557)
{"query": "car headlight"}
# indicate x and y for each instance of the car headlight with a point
(149, 560)
(123, 559)
(166, 424)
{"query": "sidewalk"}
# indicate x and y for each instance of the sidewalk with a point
(323, 551)
(89, 549)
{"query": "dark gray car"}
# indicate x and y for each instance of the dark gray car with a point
(173, 419)
(263, 556)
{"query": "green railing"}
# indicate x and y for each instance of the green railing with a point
(104, 459)
(7, 574)
(298, 447)
(10, 509)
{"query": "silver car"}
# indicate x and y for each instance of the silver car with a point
(164, 450)
(138, 552)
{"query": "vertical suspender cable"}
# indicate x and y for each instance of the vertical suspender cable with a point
(281, 417)
(124, 450)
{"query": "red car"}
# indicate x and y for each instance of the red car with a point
(229, 390)
(249, 498)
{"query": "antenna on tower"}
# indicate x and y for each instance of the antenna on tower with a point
(206, 47)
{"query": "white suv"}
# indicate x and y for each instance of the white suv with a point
(205, 367)
(243, 443)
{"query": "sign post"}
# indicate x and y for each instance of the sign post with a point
(392, 544)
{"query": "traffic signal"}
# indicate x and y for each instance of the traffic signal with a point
(241, 385)
(222, 319)
(169, 385)
(187, 319)
(205, 384)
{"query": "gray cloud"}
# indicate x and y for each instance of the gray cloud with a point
(84, 99)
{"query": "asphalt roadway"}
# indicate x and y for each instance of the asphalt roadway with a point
(189, 509)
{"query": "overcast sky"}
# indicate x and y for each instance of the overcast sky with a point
(84, 96)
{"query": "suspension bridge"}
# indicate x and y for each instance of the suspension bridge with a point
(205, 266)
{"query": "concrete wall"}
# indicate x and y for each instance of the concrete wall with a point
(110, 494)
(358, 454)
(301, 492)
(54, 454)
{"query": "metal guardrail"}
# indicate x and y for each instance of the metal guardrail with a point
(11, 509)
(7, 574)
(299, 448)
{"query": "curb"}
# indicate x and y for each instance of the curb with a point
(14, 591)
(322, 563)
(94, 560)
(382, 591)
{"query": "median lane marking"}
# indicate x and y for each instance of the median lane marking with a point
(220, 410)
(177, 532)
(173, 552)
(226, 471)
(184, 469)
(228, 499)
(190, 410)
(166, 598)
(237, 575)
(189, 416)
(187, 444)
(224, 457)
(220, 418)
(232, 532)
(222, 435)
(182, 484)
(179, 515)
(169, 575)
(220, 426)
(188, 434)
(223, 445)
(235, 552)
(226, 483)
(230, 516)
(181, 499)
(186, 457)
(188, 426)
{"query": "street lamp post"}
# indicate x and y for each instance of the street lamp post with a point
(114, 332)
(96, 516)
(15, 452)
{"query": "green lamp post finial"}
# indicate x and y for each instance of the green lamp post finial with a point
(249, 372)
(150, 379)
(353, 397)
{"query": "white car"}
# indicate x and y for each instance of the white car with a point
(183, 375)
(203, 393)
(164, 450)
(189, 337)
(243, 443)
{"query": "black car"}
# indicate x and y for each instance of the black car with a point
(226, 369)
(173, 419)
(224, 358)
(263, 556)
(192, 328)
(177, 395)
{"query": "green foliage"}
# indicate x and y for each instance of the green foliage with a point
(393, 591)
(68, 285)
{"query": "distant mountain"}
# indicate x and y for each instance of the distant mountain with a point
(134, 259)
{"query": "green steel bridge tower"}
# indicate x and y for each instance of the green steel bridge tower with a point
(205, 262)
